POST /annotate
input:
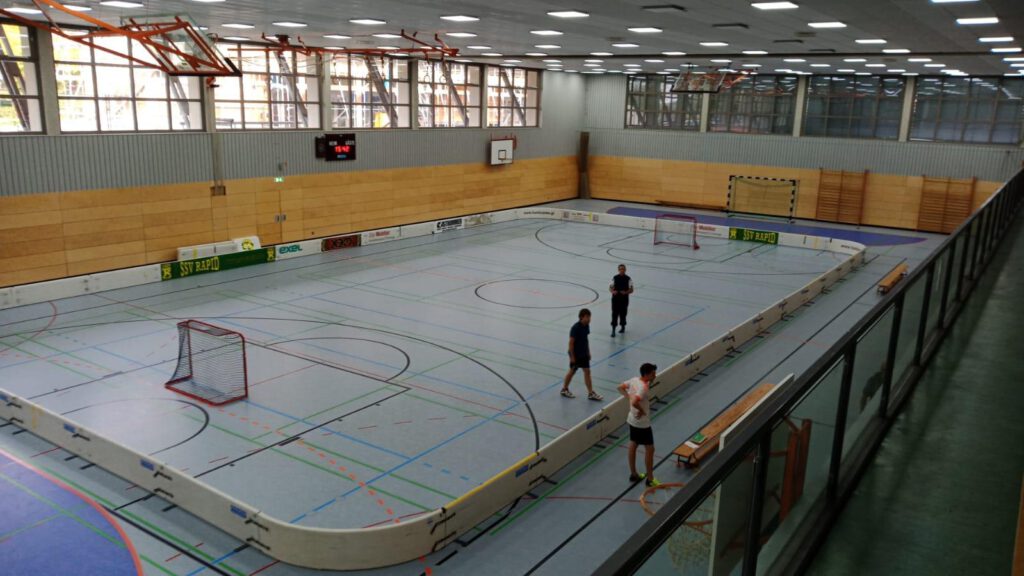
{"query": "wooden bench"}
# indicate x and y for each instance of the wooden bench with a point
(694, 205)
(892, 278)
(706, 441)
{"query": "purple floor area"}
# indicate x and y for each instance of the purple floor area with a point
(866, 238)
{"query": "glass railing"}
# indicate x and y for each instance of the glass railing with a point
(765, 503)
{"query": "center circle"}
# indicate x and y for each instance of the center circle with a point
(536, 293)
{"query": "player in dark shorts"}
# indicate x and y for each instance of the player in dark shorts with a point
(621, 287)
(637, 390)
(579, 356)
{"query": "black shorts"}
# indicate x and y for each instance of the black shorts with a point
(642, 436)
(581, 362)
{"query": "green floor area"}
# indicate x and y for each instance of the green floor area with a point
(943, 493)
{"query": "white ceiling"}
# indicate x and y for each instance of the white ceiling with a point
(921, 26)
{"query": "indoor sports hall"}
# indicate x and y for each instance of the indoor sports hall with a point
(341, 287)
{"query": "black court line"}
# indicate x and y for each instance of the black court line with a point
(327, 364)
(630, 237)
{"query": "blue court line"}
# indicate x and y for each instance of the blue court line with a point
(84, 347)
(503, 412)
(866, 238)
(216, 561)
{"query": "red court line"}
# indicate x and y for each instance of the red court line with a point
(103, 511)
(264, 568)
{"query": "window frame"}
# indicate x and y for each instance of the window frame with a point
(452, 106)
(929, 109)
(506, 84)
(236, 51)
(688, 106)
(31, 61)
(746, 106)
(403, 111)
(853, 120)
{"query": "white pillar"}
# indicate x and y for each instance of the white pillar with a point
(908, 108)
(705, 111)
(326, 114)
(802, 86)
(48, 84)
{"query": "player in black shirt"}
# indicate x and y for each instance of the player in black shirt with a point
(621, 287)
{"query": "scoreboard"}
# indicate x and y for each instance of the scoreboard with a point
(336, 147)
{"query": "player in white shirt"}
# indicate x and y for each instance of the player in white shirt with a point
(637, 391)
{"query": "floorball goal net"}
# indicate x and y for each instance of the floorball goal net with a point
(676, 229)
(211, 364)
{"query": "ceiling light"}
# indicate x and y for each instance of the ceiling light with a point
(783, 70)
(463, 60)
(754, 52)
(568, 14)
(919, 59)
(546, 32)
(1014, 59)
(633, 65)
(874, 65)
(821, 65)
(911, 74)
(287, 24)
(388, 47)
(1005, 50)
(626, 45)
(334, 47)
(536, 54)
(460, 34)
(601, 54)
(936, 65)
(896, 71)
(337, 36)
(645, 30)
(720, 61)
(591, 65)
(492, 54)
(851, 60)
(121, 4)
(673, 53)
(951, 1)
(593, 60)
(552, 61)
(367, 21)
(387, 36)
(996, 39)
(794, 60)
(977, 21)
(513, 61)
(846, 70)
(870, 41)
(239, 26)
(714, 44)
(236, 38)
(478, 47)
(654, 61)
(774, 5)
(826, 25)
(548, 46)
(751, 65)
(74, 8)
(896, 51)
(25, 10)
(460, 18)
(863, 73)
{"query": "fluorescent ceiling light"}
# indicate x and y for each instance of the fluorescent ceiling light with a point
(568, 14)
(75, 8)
(478, 47)
(239, 26)
(1018, 65)
(121, 4)
(387, 36)
(863, 73)
(794, 60)
(951, 1)
(755, 52)
(536, 54)
(25, 10)
(720, 61)
(460, 18)
(1005, 50)
(851, 60)
(826, 25)
(626, 45)
(287, 24)
(337, 36)
(714, 44)
(546, 32)
(935, 65)
(601, 54)
(593, 60)
(514, 61)
(673, 53)
(874, 65)
(492, 54)
(548, 46)
(645, 30)
(846, 70)
(654, 61)
(368, 21)
(896, 51)
(591, 65)
(751, 65)
(870, 41)
(236, 38)
(1014, 59)
(553, 61)
(911, 74)
(460, 34)
(977, 21)
(919, 59)
(633, 65)
(896, 71)
(774, 5)
(821, 65)
(996, 39)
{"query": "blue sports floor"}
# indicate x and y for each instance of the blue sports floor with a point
(387, 380)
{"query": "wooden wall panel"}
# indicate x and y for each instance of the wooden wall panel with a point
(49, 236)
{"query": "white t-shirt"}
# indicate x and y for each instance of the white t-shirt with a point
(638, 387)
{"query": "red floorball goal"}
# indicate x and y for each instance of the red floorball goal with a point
(211, 364)
(676, 229)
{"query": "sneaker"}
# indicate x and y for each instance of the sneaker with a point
(637, 477)
(594, 396)
(567, 393)
(622, 329)
(652, 482)
(613, 332)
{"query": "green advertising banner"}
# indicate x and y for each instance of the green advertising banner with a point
(185, 268)
(753, 236)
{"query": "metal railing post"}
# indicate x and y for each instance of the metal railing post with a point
(922, 325)
(752, 546)
(839, 436)
(890, 357)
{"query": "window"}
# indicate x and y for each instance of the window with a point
(513, 96)
(278, 90)
(755, 105)
(854, 106)
(651, 103)
(19, 84)
(962, 109)
(369, 92)
(98, 91)
(449, 94)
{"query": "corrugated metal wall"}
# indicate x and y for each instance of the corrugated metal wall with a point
(35, 164)
(606, 97)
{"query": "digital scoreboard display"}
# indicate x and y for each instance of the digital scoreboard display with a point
(337, 147)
